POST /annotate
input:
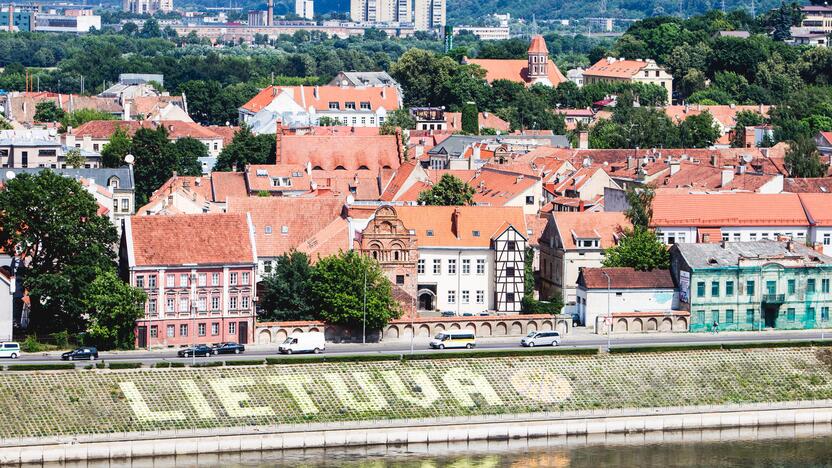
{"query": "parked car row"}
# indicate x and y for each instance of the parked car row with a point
(465, 339)
(202, 350)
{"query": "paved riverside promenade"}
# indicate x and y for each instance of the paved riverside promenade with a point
(668, 424)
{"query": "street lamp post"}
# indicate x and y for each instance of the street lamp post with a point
(364, 325)
(609, 314)
(193, 319)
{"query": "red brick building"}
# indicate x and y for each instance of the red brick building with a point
(199, 275)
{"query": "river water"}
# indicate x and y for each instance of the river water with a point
(782, 447)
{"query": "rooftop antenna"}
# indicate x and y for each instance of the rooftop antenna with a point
(534, 25)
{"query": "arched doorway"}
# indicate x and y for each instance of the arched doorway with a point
(427, 299)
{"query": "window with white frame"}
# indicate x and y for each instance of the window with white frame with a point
(232, 302)
(183, 330)
(215, 329)
(245, 278)
(215, 303)
(171, 331)
(480, 297)
(170, 305)
(151, 306)
(140, 281)
(244, 302)
(183, 281)
(233, 279)
(452, 296)
(827, 239)
(201, 304)
(232, 328)
(202, 279)
(151, 281)
(480, 266)
(466, 266)
(169, 281)
(215, 279)
(437, 266)
(465, 296)
(420, 266)
(201, 329)
(451, 266)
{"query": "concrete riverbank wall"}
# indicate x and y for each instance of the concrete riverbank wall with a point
(98, 413)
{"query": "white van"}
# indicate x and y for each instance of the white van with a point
(453, 339)
(541, 338)
(311, 342)
(9, 350)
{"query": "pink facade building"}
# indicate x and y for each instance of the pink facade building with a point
(199, 275)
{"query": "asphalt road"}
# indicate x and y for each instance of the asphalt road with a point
(583, 340)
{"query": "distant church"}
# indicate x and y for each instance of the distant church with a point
(535, 69)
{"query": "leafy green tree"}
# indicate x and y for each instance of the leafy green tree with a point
(436, 80)
(52, 222)
(81, 116)
(156, 158)
(73, 158)
(449, 191)
(113, 153)
(638, 248)
(470, 119)
(246, 148)
(803, 159)
(338, 292)
(188, 151)
(150, 29)
(698, 131)
(744, 118)
(399, 118)
(4, 124)
(113, 308)
(640, 201)
(286, 290)
(48, 111)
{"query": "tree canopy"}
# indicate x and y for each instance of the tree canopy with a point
(450, 190)
(286, 290)
(246, 148)
(638, 248)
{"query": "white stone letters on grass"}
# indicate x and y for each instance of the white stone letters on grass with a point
(237, 403)
(140, 408)
(463, 383)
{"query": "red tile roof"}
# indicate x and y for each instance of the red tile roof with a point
(515, 70)
(225, 132)
(228, 184)
(202, 239)
(477, 225)
(319, 97)
(728, 209)
(538, 45)
(818, 207)
(401, 176)
(604, 225)
(259, 177)
(330, 240)
(617, 68)
(492, 187)
(486, 120)
(352, 153)
(103, 129)
(625, 278)
(724, 114)
(813, 185)
(301, 217)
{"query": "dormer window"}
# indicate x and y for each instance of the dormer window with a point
(429, 232)
(334, 106)
(281, 182)
(365, 105)
(296, 174)
(284, 229)
(268, 230)
(349, 105)
(475, 233)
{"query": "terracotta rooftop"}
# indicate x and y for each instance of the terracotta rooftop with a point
(624, 278)
(728, 209)
(604, 225)
(515, 70)
(486, 120)
(103, 129)
(331, 152)
(476, 225)
(726, 115)
(818, 208)
(538, 45)
(615, 68)
(283, 223)
(808, 185)
(320, 97)
(228, 184)
(201, 239)
(262, 177)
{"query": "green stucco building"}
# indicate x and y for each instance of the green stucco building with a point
(753, 285)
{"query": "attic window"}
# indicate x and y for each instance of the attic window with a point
(363, 168)
(411, 232)
(268, 229)
(281, 182)
(284, 229)
(365, 105)
(296, 174)
(475, 233)
(430, 233)
(340, 168)
(334, 105)
(349, 105)
(262, 173)
(712, 261)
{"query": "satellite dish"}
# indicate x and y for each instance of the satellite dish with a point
(10, 175)
(747, 158)
(129, 159)
(350, 199)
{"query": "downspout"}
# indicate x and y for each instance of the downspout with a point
(458, 279)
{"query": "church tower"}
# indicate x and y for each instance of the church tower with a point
(538, 61)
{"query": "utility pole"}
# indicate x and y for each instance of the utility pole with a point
(364, 326)
(609, 315)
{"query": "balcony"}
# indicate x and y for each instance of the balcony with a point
(774, 298)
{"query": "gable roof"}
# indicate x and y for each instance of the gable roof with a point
(228, 184)
(201, 239)
(104, 129)
(352, 153)
(818, 207)
(611, 67)
(290, 220)
(319, 97)
(728, 209)
(477, 225)
(515, 70)
(624, 278)
(603, 225)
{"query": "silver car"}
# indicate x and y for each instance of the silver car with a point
(541, 338)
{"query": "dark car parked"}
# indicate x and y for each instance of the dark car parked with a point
(198, 350)
(229, 348)
(87, 352)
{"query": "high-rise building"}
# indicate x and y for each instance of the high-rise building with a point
(305, 9)
(149, 7)
(429, 14)
(381, 11)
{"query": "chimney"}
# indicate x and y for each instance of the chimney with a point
(455, 227)
(316, 92)
(69, 139)
(631, 161)
(727, 176)
(477, 153)
(715, 160)
(750, 137)
(583, 140)
(274, 91)
(790, 245)
(125, 115)
(741, 169)
(518, 179)
(674, 167)
(278, 142)
(581, 206)
(761, 109)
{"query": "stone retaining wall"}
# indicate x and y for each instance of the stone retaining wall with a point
(482, 326)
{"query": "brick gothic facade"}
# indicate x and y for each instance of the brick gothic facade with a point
(390, 242)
